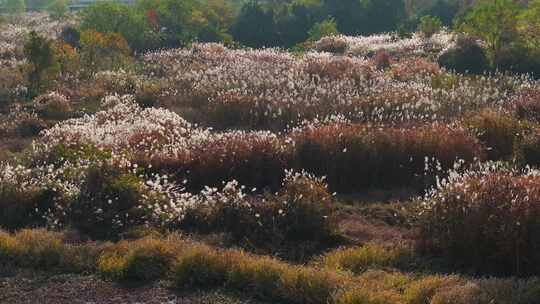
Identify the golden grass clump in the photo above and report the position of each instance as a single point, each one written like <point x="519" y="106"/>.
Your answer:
<point x="360" y="259"/>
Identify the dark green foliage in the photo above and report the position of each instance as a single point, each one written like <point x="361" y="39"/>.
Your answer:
<point x="322" y="29"/>
<point x="495" y="22"/>
<point x="40" y="54"/>
<point x="24" y="208"/>
<point x="365" y="17"/>
<point x="30" y="126"/>
<point x="519" y="59"/>
<point x="429" y="26"/>
<point x="255" y="26"/>
<point x="445" y="10"/>
<point x="110" y="202"/>
<point x="467" y="57"/>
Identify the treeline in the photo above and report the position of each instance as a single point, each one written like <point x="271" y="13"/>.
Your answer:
<point x="510" y="38"/>
<point x="509" y="31"/>
<point x="151" y="24"/>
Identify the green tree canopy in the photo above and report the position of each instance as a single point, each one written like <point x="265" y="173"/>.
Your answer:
<point x="40" y="53"/>
<point x="113" y="17"/>
<point x="495" y="22"/>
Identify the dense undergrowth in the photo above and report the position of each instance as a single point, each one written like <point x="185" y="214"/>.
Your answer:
<point x="255" y="154"/>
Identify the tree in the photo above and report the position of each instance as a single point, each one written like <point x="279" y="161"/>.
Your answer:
<point x="40" y="53"/>
<point x="255" y="26"/>
<point x="445" y="10"/>
<point x="349" y="15"/>
<point x="325" y="28"/>
<point x="219" y="17"/>
<point x="495" y="22"/>
<point x="113" y="17"/>
<point x="103" y="51"/>
<point x="529" y="24"/>
<point x="383" y="15"/>
<point x="67" y="57"/>
<point x="429" y="26"/>
<point x="365" y="17"/>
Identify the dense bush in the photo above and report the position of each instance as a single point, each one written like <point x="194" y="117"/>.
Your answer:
<point x="29" y="126"/>
<point x="322" y="29"/>
<point x="103" y="51"/>
<point x="71" y="36"/>
<point x="11" y="79"/>
<point x="486" y="221"/>
<point x="297" y="222"/>
<point x="20" y="208"/>
<point x="518" y="59"/>
<point x="466" y="57"/>
<point x="110" y="202"/>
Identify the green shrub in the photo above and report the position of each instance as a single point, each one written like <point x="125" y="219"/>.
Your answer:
<point x="43" y="63"/>
<point x="466" y="57"/>
<point x="322" y="29"/>
<point x="518" y="59"/>
<point x="25" y="207"/>
<point x="110" y="202"/>
<point x="61" y="153"/>
<point x="71" y="36"/>
<point x="308" y="285"/>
